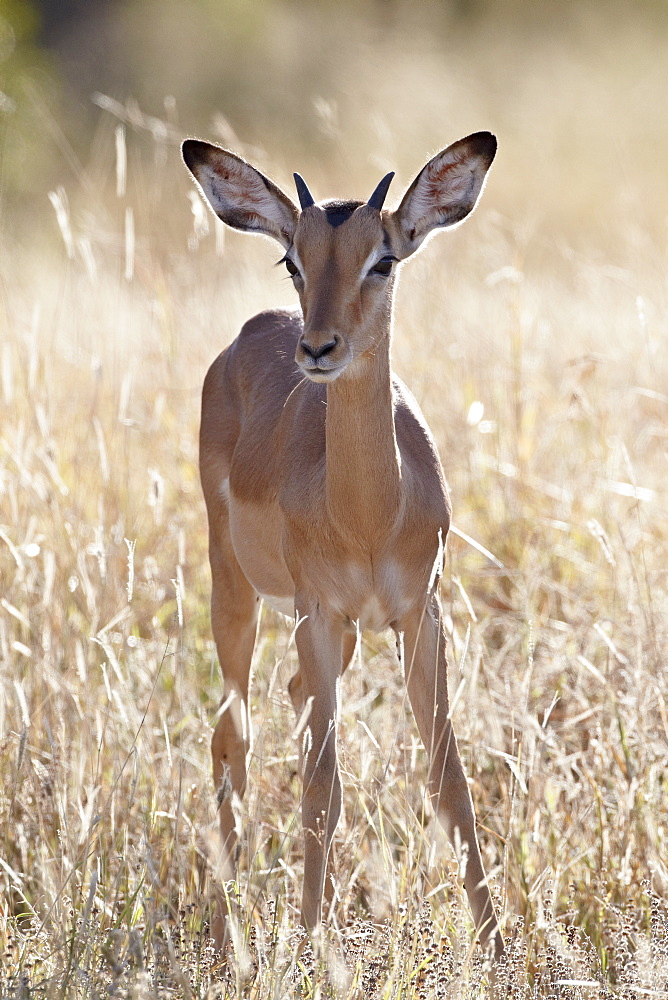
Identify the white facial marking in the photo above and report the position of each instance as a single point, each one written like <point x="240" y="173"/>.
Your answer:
<point x="321" y="375"/>
<point x="370" y="262"/>
<point x="294" y="257"/>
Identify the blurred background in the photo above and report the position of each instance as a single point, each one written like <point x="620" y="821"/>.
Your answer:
<point x="575" y="89"/>
<point x="534" y="338"/>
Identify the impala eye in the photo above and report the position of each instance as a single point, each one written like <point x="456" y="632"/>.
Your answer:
<point x="384" y="266"/>
<point x="293" y="270"/>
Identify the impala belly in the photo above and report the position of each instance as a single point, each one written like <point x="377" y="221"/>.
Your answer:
<point x="284" y="605"/>
<point x="256" y="536"/>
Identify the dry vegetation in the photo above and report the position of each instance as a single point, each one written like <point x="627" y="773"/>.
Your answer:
<point x="534" y="338"/>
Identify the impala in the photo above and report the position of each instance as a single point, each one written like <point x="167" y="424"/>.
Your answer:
<point x="324" y="490"/>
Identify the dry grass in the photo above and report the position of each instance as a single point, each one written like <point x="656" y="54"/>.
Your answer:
<point x="534" y="338"/>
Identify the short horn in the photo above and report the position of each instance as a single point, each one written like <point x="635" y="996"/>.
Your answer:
<point x="305" y="197"/>
<point x="378" y="197"/>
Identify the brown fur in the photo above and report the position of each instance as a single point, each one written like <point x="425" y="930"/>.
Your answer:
<point x="325" y="492"/>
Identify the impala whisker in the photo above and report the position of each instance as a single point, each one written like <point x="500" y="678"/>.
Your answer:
<point x="292" y="391"/>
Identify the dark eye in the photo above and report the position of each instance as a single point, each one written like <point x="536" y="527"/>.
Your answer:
<point x="292" y="268"/>
<point x="384" y="266"/>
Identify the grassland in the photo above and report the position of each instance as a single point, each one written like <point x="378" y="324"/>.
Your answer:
<point x="535" y="340"/>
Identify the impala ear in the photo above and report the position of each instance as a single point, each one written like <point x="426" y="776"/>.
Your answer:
<point x="446" y="190"/>
<point x="239" y="194"/>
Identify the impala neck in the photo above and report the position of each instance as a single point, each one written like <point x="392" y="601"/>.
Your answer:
<point x="363" y="466"/>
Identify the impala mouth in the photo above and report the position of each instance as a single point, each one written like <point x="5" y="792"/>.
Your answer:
<point x="320" y="373"/>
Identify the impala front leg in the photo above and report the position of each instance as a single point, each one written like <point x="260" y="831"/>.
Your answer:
<point x="319" y="645"/>
<point x="426" y="679"/>
<point x="234" y="610"/>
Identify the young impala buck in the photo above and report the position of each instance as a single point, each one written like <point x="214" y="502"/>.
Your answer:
<point x="324" y="490"/>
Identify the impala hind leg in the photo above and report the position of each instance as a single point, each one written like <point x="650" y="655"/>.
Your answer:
<point x="426" y="679"/>
<point x="234" y="614"/>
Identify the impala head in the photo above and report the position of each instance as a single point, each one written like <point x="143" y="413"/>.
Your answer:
<point x="342" y="255"/>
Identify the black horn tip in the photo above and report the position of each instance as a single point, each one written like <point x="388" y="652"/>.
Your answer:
<point x="306" y="199"/>
<point x="378" y="197"/>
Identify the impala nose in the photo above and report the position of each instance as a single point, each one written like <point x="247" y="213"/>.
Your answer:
<point x="321" y="351"/>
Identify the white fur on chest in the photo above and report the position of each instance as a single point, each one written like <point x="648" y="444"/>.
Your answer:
<point x="372" y="598"/>
<point x="373" y="615"/>
<point x="284" y="605"/>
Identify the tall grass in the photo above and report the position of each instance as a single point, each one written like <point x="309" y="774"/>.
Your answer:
<point x="534" y="339"/>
